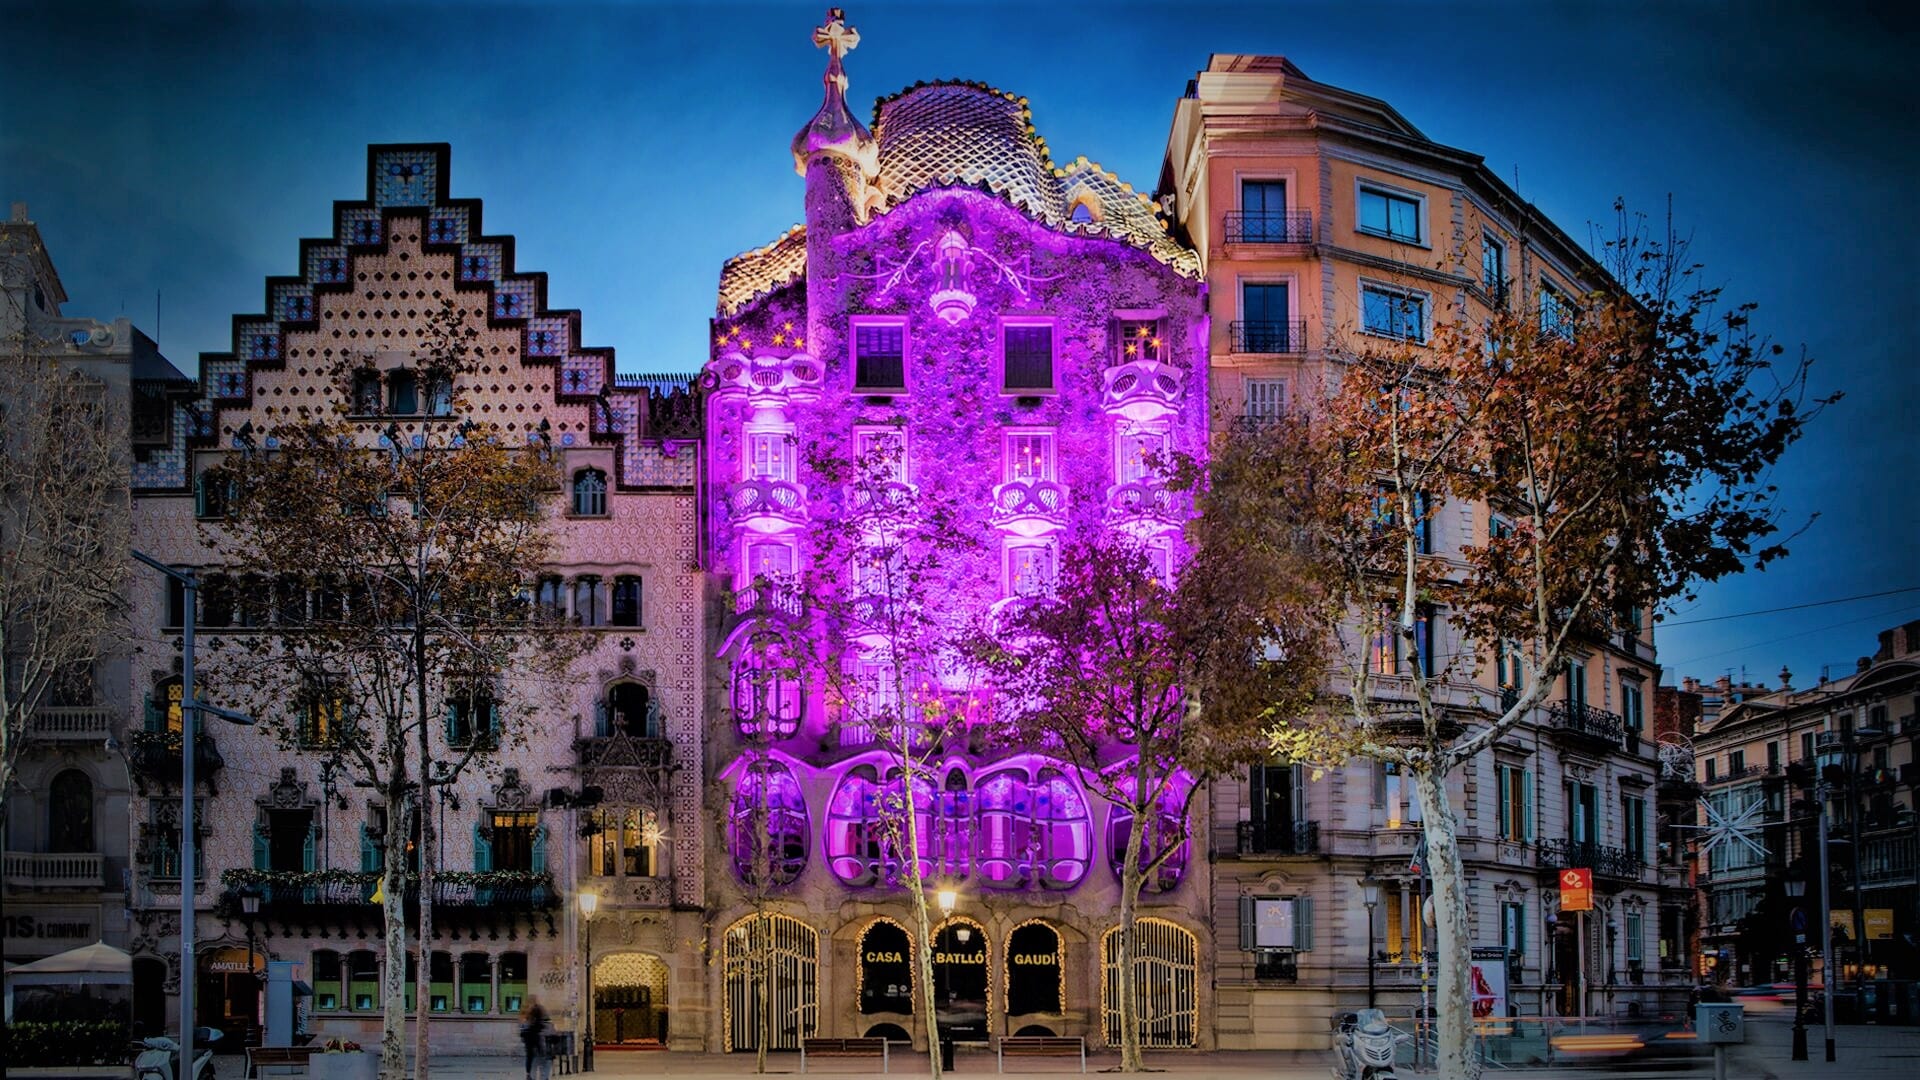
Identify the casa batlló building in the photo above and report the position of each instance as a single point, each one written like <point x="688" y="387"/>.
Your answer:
<point x="1019" y="338"/>
<point x="1017" y="341"/>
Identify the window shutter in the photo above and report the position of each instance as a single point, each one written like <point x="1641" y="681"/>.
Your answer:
<point x="1248" y="917"/>
<point x="1520" y="928"/>
<point x="156" y="716"/>
<point x="1256" y="791"/>
<point x="1526" y="803"/>
<point x="307" y="846"/>
<point x="452" y="717"/>
<point x="1506" y="801"/>
<point x="262" y="848"/>
<point x="493" y="719"/>
<point x="600" y="718"/>
<point x="369" y="855"/>
<point x="1303" y="924"/>
<point x="482" y="850"/>
<point x="540" y="849"/>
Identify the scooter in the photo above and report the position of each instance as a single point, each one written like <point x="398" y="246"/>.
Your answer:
<point x="157" y="1061"/>
<point x="1363" y="1045"/>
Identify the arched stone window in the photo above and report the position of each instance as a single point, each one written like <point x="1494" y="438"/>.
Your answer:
<point x="1168" y="825"/>
<point x="768" y="788"/>
<point x="1033" y="830"/>
<point x="631" y="710"/>
<point x="767" y="695"/>
<point x="856" y="834"/>
<point x="589" y="493"/>
<point x="1165" y="983"/>
<point x="886" y="974"/>
<point x="70" y="812"/>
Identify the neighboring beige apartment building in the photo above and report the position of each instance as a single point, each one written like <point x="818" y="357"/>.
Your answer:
<point x="1319" y="214"/>
<point x="1765" y="752"/>
<point x="66" y="842"/>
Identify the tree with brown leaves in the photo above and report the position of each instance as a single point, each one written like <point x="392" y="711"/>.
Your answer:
<point x="1619" y="450"/>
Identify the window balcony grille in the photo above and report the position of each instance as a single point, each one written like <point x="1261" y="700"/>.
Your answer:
<point x="1269" y="227"/>
<point x="1275" y="338"/>
<point x="1584" y="722"/>
<point x="1279" y="838"/>
<point x="1604" y="861"/>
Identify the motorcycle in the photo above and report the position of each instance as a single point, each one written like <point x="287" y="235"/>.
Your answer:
<point x="158" y="1060"/>
<point x="1363" y="1045"/>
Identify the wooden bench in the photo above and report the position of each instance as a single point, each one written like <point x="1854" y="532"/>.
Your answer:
<point x="846" y="1048"/>
<point x="278" y="1057"/>
<point x="1040" y="1046"/>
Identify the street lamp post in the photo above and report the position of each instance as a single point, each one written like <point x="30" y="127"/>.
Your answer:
<point x="249" y="907"/>
<point x="190" y="707"/>
<point x="946" y="898"/>
<point x="1796" y="891"/>
<point x="1370" y="896"/>
<point x="589" y="903"/>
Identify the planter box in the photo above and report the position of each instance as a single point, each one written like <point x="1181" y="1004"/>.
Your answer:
<point x="364" y="1065"/>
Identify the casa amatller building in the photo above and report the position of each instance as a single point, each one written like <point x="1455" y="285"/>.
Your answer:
<point x="1022" y="336"/>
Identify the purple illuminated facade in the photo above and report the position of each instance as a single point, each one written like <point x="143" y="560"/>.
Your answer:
<point x="1026" y="338"/>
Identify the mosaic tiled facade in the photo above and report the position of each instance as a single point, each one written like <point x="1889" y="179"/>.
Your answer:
<point x="630" y="723"/>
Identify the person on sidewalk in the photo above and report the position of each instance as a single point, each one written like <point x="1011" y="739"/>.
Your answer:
<point x="533" y="1033"/>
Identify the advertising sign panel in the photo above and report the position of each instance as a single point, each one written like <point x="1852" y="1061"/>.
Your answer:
<point x="1576" y="890"/>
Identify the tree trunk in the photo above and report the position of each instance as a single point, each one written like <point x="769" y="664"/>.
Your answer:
<point x="1455" y="1058"/>
<point x="1132" y="878"/>
<point x="393" y="911"/>
<point x="923" y="958"/>
<point x="423" y="972"/>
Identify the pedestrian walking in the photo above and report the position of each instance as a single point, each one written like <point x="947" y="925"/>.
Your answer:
<point x="533" y="1033"/>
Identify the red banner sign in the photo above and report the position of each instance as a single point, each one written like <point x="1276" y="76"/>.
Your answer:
<point x="1576" y="890"/>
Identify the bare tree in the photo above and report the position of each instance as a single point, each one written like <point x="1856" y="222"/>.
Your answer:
<point x="63" y="521"/>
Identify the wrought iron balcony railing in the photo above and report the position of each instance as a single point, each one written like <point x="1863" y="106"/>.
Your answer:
<point x="155" y="756"/>
<point x="1604" y="861"/>
<point x="1585" y="721"/>
<point x="1279" y="837"/>
<point x="1269" y="227"/>
<point x="505" y="890"/>
<point x="1269" y="337"/>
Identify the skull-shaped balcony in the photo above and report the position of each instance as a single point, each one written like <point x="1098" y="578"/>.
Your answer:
<point x="1030" y="507"/>
<point x="1143" y="507"/>
<point x="766" y="505"/>
<point x="1143" y="390"/>
<point x="794" y="377"/>
<point x="880" y="498"/>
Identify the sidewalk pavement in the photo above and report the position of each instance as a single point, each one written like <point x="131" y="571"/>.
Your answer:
<point x="1863" y="1053"/>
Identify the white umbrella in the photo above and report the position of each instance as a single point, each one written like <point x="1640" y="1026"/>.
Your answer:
<point x="98" y="964"/>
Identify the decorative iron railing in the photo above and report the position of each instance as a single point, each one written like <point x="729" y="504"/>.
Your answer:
<point x="1574" y="718"/>
<point x="1279" y="837"/>
<point x="1604" y="861"/>
<point x="1269" y="337"/>
<point x="1269" y="227"/>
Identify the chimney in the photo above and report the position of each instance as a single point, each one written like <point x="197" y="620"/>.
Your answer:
<point x="1724" y="684"/>
<point x="1690" y="684"/>
<point x="1786" y="678"/>
<point x="1862" y="664"/>
<point x="20" y="213"/>
<point x="1887" y="645"/>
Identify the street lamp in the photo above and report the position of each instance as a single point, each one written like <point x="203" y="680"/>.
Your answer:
<point x="589" y="903"/>
<point x="249" y="907"/>
<point x="190" y="708"/>
<point x="1796" y="884"/>
<point x="1370" y="896"/>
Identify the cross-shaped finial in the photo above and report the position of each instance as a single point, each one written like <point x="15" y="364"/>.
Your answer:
<point x="836" y="36"/>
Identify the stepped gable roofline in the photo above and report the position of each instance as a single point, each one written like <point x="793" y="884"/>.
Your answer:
<point x="411" y="180"/>
<point x="751" y="275"/>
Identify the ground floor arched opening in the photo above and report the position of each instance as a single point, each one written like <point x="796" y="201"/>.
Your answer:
<point x="771" y="988"/>
<point x="630" y="1000"/>
<point x="1166" y="983"/>
<point x="227" y="995"/>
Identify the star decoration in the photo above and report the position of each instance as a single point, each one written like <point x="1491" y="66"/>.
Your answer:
<point x="779" y="338"/>
<point x="1132" y="349"/>
<point x="799" y="343"/>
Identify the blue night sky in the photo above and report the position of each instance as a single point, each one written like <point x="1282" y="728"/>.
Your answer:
<point x="632" y="147"/>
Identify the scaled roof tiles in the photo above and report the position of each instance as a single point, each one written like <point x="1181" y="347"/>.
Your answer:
<point x="942" y="134"/>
